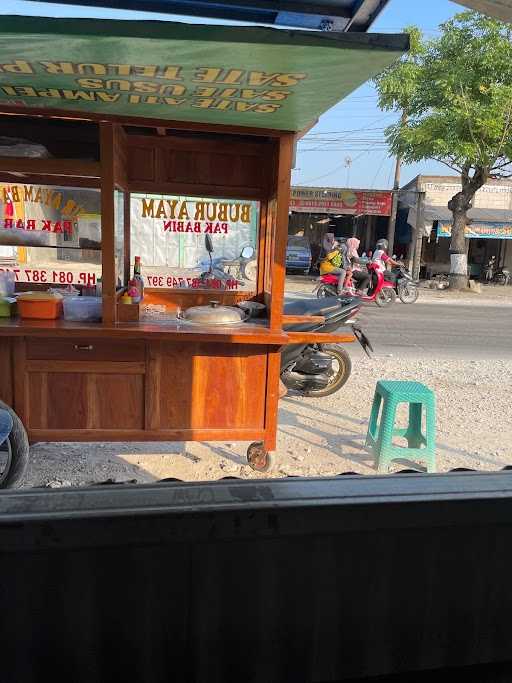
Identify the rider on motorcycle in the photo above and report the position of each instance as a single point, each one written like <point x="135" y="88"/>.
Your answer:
<point x="381" y="257"/>
<point x="336" y="262"/>
<point x="359" y="276"/>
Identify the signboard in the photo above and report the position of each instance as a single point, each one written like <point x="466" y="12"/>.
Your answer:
<point x="43" y="215"/>
<point x="344" y="201"/>
<point x="496" y="231"/>
<point x="169" y="234"/>
<point x="49" y="234"/>
<point x="245" y="76"/>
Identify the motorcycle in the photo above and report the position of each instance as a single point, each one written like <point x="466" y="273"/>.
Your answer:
<point x="405" y="286"/>
<point x="501" y="277"/>
<point x="318" y="370"/>
<point x="381" y="290"/>
<point x="242" y="268"/>
<point x="223" y="273"/>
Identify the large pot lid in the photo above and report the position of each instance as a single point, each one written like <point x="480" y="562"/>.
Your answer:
<point x="213" y="314"/>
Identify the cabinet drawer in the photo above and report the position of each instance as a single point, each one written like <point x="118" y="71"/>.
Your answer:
<point x="47" y="348"/>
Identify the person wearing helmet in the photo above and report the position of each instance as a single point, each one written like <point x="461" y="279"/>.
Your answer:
<point x="380" y="256"/>
<point x="336" y="262"/>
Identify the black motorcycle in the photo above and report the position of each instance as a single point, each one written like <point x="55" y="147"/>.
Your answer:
<point x="320" y="369"/>
<point x="405" y="286"/>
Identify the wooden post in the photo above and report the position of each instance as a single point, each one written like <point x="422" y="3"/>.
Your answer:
<point x="278" y="264"/>
<point x="108" y="222"/>
<point x="127" y="237"/>
<point x="277" y="282"/>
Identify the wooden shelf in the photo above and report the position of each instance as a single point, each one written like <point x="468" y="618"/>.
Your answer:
<point x="59" y="167"/>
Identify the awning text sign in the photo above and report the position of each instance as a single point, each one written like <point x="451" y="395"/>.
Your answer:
<point x="245" y="76"/>
<point x="343" y="201"/>
<point x="497" y="231"/>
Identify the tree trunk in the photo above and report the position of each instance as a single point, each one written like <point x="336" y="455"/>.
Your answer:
<point x="459" y="205"/>
<point x="458" y="257"/>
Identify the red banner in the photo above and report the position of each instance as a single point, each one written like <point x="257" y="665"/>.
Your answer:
<point x="351" y="202"/>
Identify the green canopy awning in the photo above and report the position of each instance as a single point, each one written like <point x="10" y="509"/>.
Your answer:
<point x="243" y="76"/>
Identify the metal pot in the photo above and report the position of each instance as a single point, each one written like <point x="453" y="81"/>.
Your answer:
<point x="213" y="314"/>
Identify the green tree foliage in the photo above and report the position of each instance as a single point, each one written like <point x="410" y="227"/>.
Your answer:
<point x="455" y="96"/>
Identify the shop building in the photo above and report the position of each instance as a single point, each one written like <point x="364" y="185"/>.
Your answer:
<point x="345" y="212"/>
<point x="489" y="228"/>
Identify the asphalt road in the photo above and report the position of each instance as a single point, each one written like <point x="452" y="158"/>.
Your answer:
<point x="440" y="330"/>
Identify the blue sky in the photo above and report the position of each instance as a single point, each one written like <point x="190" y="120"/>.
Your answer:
<point x="347" y="146"/>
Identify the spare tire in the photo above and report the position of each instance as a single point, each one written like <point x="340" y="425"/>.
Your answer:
<point x="16" y="451"/>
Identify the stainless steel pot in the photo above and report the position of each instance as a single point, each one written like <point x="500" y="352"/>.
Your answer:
<point x="213" y="314"/>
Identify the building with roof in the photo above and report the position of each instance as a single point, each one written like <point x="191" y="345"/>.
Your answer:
<point x="489" y="229"/>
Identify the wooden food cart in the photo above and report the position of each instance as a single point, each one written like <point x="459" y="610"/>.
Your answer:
<point x="156" y="134"/>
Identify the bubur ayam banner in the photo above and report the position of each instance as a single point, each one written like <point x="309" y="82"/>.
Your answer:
<point x="245" y="76"/>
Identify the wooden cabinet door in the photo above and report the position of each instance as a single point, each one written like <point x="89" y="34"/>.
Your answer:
<point x="203" y="386"/>
<point x="69" y="401"/>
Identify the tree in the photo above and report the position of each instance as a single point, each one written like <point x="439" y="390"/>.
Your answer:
<point x="455" y="96"/>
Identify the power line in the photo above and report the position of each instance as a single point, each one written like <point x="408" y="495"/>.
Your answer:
<point x="334" y="170"/>
<point x="378" y="171"/>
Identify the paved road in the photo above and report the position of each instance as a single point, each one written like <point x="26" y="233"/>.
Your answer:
<point x="440" y="330"/>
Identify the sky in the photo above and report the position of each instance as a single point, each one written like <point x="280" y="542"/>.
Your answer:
<point x="347" y="147"/>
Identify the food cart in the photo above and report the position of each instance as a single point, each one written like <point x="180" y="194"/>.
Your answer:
<point x="162" y="141"/>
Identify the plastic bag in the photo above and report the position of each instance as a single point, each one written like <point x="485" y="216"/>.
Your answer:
<point x="7" y="283"/>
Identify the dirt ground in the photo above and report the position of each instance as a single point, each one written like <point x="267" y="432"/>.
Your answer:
<point x="317" y="437"/>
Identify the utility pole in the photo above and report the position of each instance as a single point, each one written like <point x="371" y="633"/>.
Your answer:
<point x="348" y="164"/>
<point x="394" y="199"/>
<point x="394" y="206"/>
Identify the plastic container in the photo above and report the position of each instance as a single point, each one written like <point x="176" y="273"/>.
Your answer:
<point x="7" y="307"/>
<point x="39" y="306"/>
<point x="82" y="308"/>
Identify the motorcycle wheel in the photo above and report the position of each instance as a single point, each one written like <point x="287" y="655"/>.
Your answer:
<point x="385" y="297"/>
<point x="340" y="375"/>
<point x="14" y="453"/>
<point x="408" y="293"/>
<point x="326" y="290"/>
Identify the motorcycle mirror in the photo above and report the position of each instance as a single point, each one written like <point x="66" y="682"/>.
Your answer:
<point x="208" y="243"/>
<point x="247" y="252"/>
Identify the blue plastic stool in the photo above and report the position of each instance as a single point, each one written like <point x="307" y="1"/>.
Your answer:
<point x="5" y="425"/>
<point x="379" y="439"/>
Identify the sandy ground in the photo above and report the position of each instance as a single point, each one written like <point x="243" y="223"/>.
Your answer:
<point x="321" y="436"/>
<point x="316" y="436"/>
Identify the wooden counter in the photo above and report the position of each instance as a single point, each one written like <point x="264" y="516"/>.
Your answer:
<point x="169" y="330"/>
<point x="140" y="382"/>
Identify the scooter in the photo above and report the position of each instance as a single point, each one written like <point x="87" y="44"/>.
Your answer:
<point x="224" y="271"/>
<point x="381" y="291"/>
<point x="501" y="277"/>
<point x="318" y="370"/>
<point x="405" y="286"/>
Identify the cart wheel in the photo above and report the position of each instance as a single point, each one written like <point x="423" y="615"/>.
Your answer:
<point x="257" y="457"/>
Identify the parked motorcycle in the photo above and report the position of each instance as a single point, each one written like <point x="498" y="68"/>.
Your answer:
<point x="224" y="271"/>
<point x="381" y="290"/>
<point x="243" y="268"/>
<point x="320" y="369"/>
<point x="405" y="286"/>
<point x="501" y="277"/>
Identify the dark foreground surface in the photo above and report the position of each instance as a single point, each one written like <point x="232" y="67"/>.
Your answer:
<point x="275" y="581"/>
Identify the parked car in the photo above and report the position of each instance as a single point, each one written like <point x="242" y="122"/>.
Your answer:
<point x="298" y="254"/>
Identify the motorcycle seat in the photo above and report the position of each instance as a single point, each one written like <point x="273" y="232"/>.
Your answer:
<point x="326" y="307"/>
